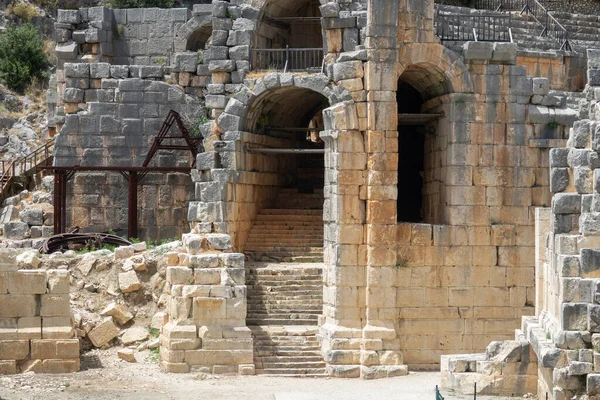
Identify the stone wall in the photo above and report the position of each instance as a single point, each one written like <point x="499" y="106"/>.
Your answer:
<point x="564" y="72"/>
<point x="35" y="320"/>
<point x="207" y="308"/>
<point x="113" y="114"/>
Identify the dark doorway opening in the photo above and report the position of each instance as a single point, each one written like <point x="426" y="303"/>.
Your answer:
<point x="411" y="155"/>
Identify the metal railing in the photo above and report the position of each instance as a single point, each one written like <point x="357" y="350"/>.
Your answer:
<point x="467" y="27"/>
<point x="550" y="25"/>
<point x="287" y="59"/>
<point x="41" y="156"/>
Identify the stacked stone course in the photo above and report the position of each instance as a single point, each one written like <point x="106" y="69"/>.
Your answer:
<point x="207" y="309"/>
<point x="35" y="324"/>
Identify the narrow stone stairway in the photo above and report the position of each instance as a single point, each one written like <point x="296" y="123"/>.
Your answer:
<point x="292" y="231"/>
<point x="284" y="304"/>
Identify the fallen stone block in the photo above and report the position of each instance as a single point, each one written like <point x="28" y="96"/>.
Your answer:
<point x="118" y="312"/>
<point x="103" y="333"/>
<point x="135" y="334"/>
<point x="129" y="282"/>
<point x="126" y="355"/>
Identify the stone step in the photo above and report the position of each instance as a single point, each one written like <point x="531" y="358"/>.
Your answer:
<point x="289" y="359"/>
<point x="273" y="321"/>
<point x="293" y="365"/>
<point x="282" y="315"/>
<point x="308" y="372"/>
<point x="291" y="217"/>
<point x="290" y="211"/>
<point x="276" y="351"/>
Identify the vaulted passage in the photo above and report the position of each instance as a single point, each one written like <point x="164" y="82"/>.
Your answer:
<point x="289" y="225"/>
<point x="285" y="242"/>
<point x="411" y="153"/>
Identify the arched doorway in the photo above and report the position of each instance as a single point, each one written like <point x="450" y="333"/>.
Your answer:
<point x="289" y="154"/>
<point x="289" y="36"/>
<point x="419" y="122"/>
<point x="283" y="156"/>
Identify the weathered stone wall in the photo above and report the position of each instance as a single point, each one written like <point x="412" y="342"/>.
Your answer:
<point x="564" y="72"/>
<point x="207" y="308"/>
<point x="35" y="320"/>
<point x="113" y="115"/>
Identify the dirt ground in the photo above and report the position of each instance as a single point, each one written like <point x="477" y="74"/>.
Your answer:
<point x="105" y="377"/>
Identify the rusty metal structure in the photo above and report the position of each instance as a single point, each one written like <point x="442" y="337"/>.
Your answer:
<point x="64" y="241"/>
<point x="134" y="175"/>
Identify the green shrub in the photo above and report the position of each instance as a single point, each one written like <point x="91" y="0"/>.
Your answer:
<point x="140" y="3"/>
<point x="25" y="12"/>
<point x="22" y="56"/>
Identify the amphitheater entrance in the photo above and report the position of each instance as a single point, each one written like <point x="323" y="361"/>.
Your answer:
<point x="285" y="156"/>
<point x="418" y="126"/>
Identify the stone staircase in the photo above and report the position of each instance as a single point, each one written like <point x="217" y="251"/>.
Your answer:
<point x="287" y="350"/>
<point x="285" y="301"/>
<point x="284" y="294"/>
<point x="584" y="30"/>
<point x="292" y="231"/>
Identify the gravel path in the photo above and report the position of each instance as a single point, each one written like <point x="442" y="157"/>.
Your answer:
<point x="107" y="378"/>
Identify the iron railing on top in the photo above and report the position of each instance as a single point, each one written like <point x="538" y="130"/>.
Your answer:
<point x="550" y="25"/>
<point x="39" y="157"/>
<point x="472" y="27"/>
<point x="288" y="59"/>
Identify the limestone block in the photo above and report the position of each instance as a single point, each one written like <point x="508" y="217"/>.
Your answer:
<point x="179" y="308"/>
<point x="159" y="320"/>
<point x="559" y="179"/>
<point x="135" y="334"/>
<point x="566" y="203"/>
<point x="129" y="282"/>
<point x="16" y="230"/>
<point x="580" y="368"/>
<point x="126" y="355"/>
<point x="29" y="328"/>
<point x="541" y="86"/>
<point x="505" y="53"/>
<point x="103" y="333"/>
<point x="207" y="276"/>
<point x="348" y="70"/>
<point x="55" y="305"/>
<point x="478" y="50"/>
<point x="574" y="316"/>
<point x="180" y="275"/>
<point x="58" y="281"/>
<point x="66" y="51"/>
<point x="181" y="368"/>
<point x="34" y="366"/>
<point x="172" y="331"/>
<point x="8" y="367"/>
<point x="209" y="308"/>
<point x="119" y="313"/>
<point x="218" y="357"/>
<point x="195" y="291"/>
<point x="60" y="366"/>
<point x="123" y="252"/>
<point x="17" y="306"/>
<point x="14" y="349"/>
<point x="136" y="263"/>
<point x="43" y="349"/>
<point x="56" y="328"/>
<point x="66" y="349"/>
<point x="204" y="261"/>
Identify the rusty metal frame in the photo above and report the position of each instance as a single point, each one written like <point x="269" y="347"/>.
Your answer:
<point x="133" y="175"/>
<point x="63" y="174"/>
<point x="193" y="144"/>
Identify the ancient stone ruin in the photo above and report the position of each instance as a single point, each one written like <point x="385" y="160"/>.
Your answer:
<point x="382" y="186"/>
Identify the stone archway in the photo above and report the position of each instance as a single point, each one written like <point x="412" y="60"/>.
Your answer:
<point x="198" y="27"/>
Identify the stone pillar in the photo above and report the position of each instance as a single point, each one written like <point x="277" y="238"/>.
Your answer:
<point x="207" y="309"/>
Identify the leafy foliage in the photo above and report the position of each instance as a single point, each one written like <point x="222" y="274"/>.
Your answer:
<point x="24" y="11"/>
<point x="140" y="3"/>
<point x="22" y="56"/>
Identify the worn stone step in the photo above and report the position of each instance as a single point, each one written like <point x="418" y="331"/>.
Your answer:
<point x="294" y="365"/>
<point x="273" y="321"/>
<point x="292" y="371"/>
<point x="290" y="211"/>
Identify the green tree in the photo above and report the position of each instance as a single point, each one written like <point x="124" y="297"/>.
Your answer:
<point x="22" y="56"/>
